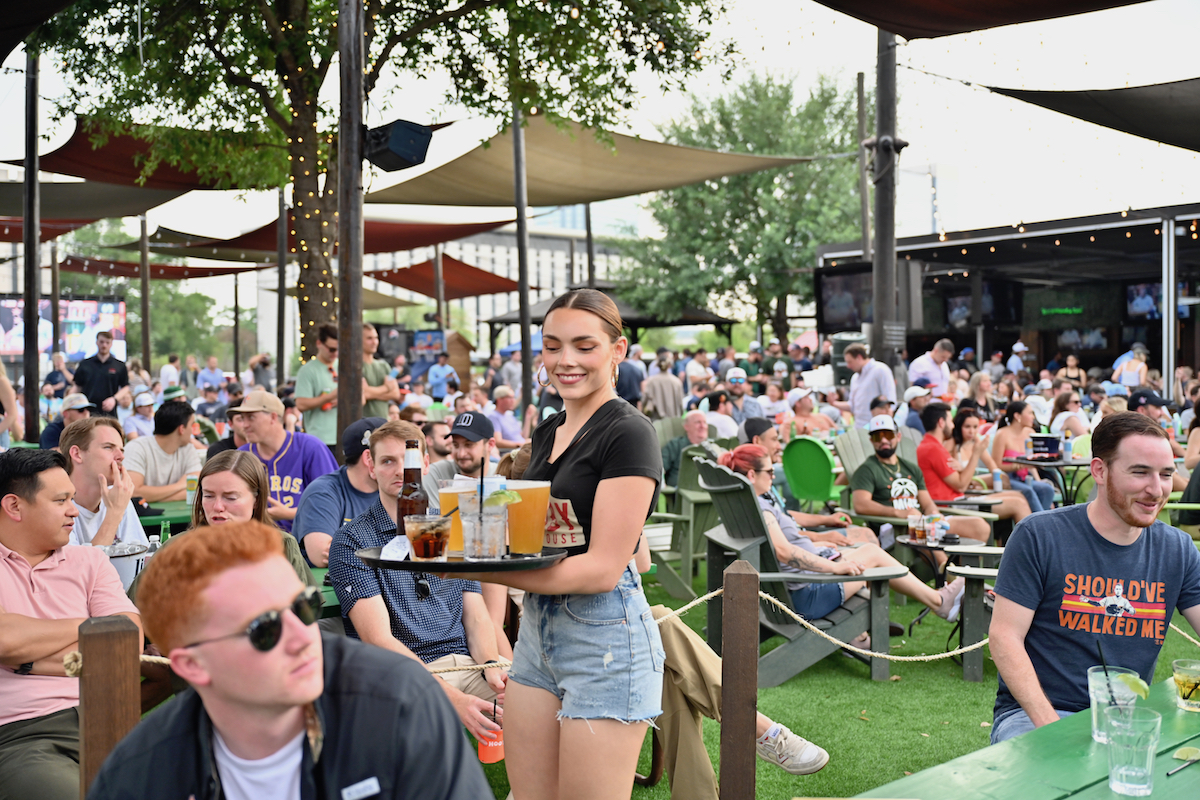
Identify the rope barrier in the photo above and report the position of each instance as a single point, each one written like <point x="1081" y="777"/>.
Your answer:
<point x="73" y="661"/>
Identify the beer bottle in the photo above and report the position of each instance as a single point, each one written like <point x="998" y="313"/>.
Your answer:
<point x="413" y="499"/>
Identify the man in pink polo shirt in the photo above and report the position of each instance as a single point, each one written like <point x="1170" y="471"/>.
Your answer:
<point x="46" y="590"/>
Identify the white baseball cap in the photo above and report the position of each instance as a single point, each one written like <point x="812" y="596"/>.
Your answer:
<point x="883" y="422"/>
<point x="796" y="395"/>
<point x="913" y="392"/>
<point x="1020" y="347"/>
<point x="143" y="399"/>
<point x="735" y="372"/>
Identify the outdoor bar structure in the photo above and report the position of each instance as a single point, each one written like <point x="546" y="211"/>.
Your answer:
<point x="1089" y="284"/>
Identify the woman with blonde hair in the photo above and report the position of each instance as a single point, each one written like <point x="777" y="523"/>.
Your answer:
<point x="979" y="393"/>
<point x="1133" y="372"/>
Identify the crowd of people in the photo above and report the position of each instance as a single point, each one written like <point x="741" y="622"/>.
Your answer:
<point x="284" y="705"/>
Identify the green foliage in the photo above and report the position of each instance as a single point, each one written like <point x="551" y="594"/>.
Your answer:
<point x="743" y="334"/>
<point x="752" y="238"/>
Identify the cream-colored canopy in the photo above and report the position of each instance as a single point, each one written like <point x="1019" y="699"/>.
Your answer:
<point x="570" y="166"/>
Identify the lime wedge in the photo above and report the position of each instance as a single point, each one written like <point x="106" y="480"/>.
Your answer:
<point x="502" y="497"/>
<point x="1187" y="754"/>
<point x="1135" y="683"/>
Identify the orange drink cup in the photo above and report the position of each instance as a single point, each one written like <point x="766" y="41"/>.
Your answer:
<point x="448" y="492"/>
<point x="527" y="519"/>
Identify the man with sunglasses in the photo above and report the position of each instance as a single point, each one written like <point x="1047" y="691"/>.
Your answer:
<point x="889" y="486"/>
<point x="744" y="406"/>
<point x="316" y="388"/>
<point x="436" y="622"/>
<point x="276" y="709"/>
<point x="46" y="590"/>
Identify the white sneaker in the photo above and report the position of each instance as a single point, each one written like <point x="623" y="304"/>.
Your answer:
<point x="792" y="753"/>
<point x="952" y="596"/>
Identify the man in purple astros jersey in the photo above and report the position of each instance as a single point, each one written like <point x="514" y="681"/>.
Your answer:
<point x="292" y="460"/>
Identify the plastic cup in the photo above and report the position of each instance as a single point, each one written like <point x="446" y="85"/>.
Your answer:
<point x="449" y="494"/>
<point x="483" y="537"/>
<point x="527" y="519"/>
<point x="1132" y="742"/>
<point x="192" y="483"/>
<point x="1187" y="684"/>
<point x="1098" y="691"/>
<point x="428" y="535"/>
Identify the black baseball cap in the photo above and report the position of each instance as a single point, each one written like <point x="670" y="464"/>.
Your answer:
<point x="473" y="426"/>
<point x="1144" y="397"/>
<point x="357" y="437"/>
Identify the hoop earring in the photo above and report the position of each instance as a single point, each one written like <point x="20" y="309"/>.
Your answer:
<point x="539" y="380"/>
<point x="616" y="372"/>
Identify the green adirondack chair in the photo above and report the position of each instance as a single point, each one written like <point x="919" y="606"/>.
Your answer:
<point x="743" y="535"/>
<point x="695" y="514"/>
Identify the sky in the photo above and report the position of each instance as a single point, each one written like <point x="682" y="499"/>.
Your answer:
<point x="998" y="161"/>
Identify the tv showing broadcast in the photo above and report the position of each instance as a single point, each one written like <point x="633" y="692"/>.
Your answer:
<point x="846" y="300"/>
<point x="82" y="319"/>
<point x="1143" y="301"/>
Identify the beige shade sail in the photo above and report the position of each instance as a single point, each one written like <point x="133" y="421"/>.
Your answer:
<point x="372" y="300"/>
<point x="570" y="166"/>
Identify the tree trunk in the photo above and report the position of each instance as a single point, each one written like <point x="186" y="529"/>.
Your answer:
<point x="314" y="225"/>
<point x="779" y="320"/>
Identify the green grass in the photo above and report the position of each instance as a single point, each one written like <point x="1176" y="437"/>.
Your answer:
<point x="927" y="717"/>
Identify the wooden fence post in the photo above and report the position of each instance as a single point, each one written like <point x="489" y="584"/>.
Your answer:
<point x="739" y="681"/>
<point x="109" y="692"/>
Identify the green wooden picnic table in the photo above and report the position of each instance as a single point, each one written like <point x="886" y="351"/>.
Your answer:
<point x="1056" y="761"/>
<point x="331" y="608"/>
<point x="177" y="514"/>
<point x="25" y="445"/>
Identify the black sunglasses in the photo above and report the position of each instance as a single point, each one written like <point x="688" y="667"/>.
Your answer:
<point x="265" y="630"/>
<point x="422" y="583"/>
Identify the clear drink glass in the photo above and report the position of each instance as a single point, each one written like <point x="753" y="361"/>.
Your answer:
<point x="483" y="537"/>
<point x="449" y="493"/>
<point x="527" y="519"/>
<point x="1187" y="684"/>
<point x="428" y="535"/>
<point x="1132" y="742"/>
<point x="1098" y="691"/>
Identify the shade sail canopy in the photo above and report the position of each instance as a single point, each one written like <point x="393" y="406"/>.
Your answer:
<point x="568" y="167"/>
<point x="632" y="318"/>
<point x="461" y="279"/>
<point x="258" y="246"/>
<point x="927" y="19"/>
<point x="131" y="269"/>
<point x="84" y="201"/>
<point x="1164" y="112"/>
<point x="12" y="229"/>
<point x="20" y="17"/>
<point x="372" y="300"/>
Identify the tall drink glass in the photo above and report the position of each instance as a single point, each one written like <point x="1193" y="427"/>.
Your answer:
<point x="1132" y="742"/>
<point x="1098" y="691"/>
<point x="527" y="519"/>
<point x="449" y="501"/>
<point x="1187" y="683"/>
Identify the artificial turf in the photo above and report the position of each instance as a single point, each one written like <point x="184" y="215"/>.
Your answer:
<point x="875" y="732"/>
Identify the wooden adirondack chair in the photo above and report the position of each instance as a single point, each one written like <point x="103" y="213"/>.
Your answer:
<point x="695" y="515"/>
<point x="743" y="535"/>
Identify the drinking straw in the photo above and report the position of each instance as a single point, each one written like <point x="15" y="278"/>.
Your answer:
<point x="1112" y="698"/>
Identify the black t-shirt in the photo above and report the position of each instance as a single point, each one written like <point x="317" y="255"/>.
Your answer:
<point x="617" y="441"/>
<point x="100" y="380"/>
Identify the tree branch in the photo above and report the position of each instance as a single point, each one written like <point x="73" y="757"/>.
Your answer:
<point x="275" y="29"/>
<point x="469" y="7"/>
<point x="236" y="79"/>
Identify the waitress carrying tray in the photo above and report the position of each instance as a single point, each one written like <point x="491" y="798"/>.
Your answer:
<point x="549" y="556"/>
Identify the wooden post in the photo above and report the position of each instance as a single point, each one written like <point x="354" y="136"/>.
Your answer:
<point x="739" y="681"/>
<point x="109" y="693"/>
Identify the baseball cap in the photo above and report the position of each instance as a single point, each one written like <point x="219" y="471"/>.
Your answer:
<point x="260" y="401"/>
<point x="796" y="395"/>
<point x="143" y="399"/>
<point x="755" y="347"/>
<point x="881" y="402"/>
<point x="773" y="340"/>
<point x="173" y="393"/>
<point x="923" y="382"/>
<point x="357" y="436"/>
<point x="1144" y="397"/>
<point x="881" y="423"/>
<point x="473" y="426"/>
<point x="753" y="426"/>
<point x="736" y="372"/>
<point x="1020" y="347"/>
<point x="208" y="387"/>
<point x="1044" y="384"/>
<point x="913" y="392"/>
<point x="966" y="351"/>
<point x="77" y="402"/>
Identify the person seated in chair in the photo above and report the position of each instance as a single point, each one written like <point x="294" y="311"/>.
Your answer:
<point x="695" y="432"/>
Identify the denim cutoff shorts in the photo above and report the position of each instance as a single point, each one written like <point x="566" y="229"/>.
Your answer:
<point x="599" y="654"/>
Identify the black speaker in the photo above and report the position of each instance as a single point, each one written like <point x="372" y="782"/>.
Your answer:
<point x="397" y="145"/>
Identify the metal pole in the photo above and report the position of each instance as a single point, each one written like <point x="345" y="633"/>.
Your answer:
<point x="571" y="267"/>
<point x="864" y="194"/>
<point x="1170" y="319"/>
<point x="884" y="262"/>
<point x="144" y="272"/>
<point x="281" y="257"/>
<point x="591" y="245"/>
<point x="439" y="287"/>
<point x="521" y="196"/>
<point x="237" y="330"/>
<point x="350" y="220"/>
<point x="32" y="231"/>
<point x="55" y="295"/>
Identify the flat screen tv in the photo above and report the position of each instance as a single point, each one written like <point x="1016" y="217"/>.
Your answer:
<point x="1143" y="301"/>
<point x="82" y="319"/>
<point x="844" y="298"/>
